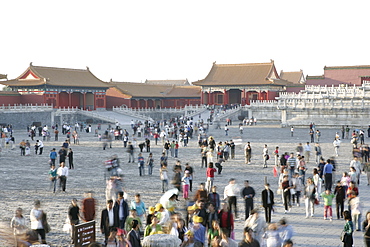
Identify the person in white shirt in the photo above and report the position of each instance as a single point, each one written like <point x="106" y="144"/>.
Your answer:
<point x="62" y="174"/>
<point x="36" y="221"/>
<point x="307" y="152"/>
<point x="357" y="165"/>
<point x="336" y="144"/>
<point x="231" y="192"/>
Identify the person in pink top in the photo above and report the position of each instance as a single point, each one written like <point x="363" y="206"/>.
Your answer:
<point x="210" y="176"/>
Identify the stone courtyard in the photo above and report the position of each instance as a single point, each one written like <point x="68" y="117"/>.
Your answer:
<point x="25" y="178"/>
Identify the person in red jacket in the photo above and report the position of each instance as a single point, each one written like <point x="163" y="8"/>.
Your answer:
<point x="210" y="176"/>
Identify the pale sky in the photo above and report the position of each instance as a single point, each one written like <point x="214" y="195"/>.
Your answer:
<point x="138" y="40"/>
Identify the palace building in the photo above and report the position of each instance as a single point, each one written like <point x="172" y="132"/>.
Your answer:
<point x="342" y="75"/>
<point x="229" y="84"/>
<point x="59" y="87"/>
<point x="153" y="94"/>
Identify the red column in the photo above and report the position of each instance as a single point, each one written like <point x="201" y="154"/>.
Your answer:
<point x="226" y="97"/>
<point x="84" y="102"/>
<point x="70" y="99"/>
<point x="95" y="98"/>
<point x="210" y="98"/>
<point x="57" y="101"/>
<point x="201" y="97"/>
<point x="146" y="103"/>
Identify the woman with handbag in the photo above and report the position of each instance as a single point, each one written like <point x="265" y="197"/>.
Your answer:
<point x="310" y="197"/>
<point x="346" y="236"/>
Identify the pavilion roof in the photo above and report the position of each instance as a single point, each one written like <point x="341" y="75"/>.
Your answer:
<point x="247" y="74"/>
<point x="169" y="82"/>
<point x="144" y="90"/>
<point x="65" y="77"/>
<point x="296" y="77"/>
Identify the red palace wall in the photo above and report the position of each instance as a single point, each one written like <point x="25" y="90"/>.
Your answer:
<point x="75" y="99"/>
<point x="32" y="99"/>
<point x="352" y="76"/>
<point x="10" y="99"/>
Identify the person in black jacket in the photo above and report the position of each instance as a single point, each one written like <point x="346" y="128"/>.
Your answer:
<point x="340" y="197"/>
<point x="120" y="211"/>
<point x="74" y="216"/>
<point x="134" y="235"/>
<point x="248" y="194"/>
<point x="108" y="220"/>
<point x="267" y="202"/>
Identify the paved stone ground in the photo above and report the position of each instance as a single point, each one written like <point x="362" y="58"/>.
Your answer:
<point x="24" y="179"/>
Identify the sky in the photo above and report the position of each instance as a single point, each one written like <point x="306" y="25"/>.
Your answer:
<point x="157" y="40"/>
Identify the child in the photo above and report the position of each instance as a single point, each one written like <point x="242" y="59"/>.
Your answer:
<point x="328" y="200"/>
<point x="185" y="184"/>
<point x="210" y="176"/>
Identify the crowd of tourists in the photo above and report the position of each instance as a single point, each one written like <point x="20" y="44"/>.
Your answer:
<point x="209" y="216"/>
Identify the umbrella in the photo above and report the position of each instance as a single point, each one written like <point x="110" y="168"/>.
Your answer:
<point x="166" y="196"/>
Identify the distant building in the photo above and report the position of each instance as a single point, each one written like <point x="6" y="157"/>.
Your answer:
<point x="229" y="84"/>
<point x="147" y="95"/>
<point x="297" y="79"/>
<point x="60" y="87"/>
<point x="341" y="75"/>
<point x="169" y="82"/>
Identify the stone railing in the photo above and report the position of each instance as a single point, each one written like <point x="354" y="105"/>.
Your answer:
<point x="188" y="110"/>
<point x="153" y="109"/>
<point x="26" y="107"/>
<point x="262" y="103"/>
<point x="96" y="115"/>
<point x="227" y="113"/>
<point x="68" y="109"/>
<point x="323" y="103"/>
<point x="318" y="92"/>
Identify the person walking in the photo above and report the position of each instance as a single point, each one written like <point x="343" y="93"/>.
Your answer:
<point x="53" y="177"/>
<point x="70" y="159"/>
<point x="141" y="162"/>
<point x="107" y="220"/>
<point x="18" y="224"/>
<point x="285" y="187"/>
<point x="328" y="201"/>
<point x="37" y="223"/>
<point x="164" y="177"/>
<point x="130" y="150"/>
<point x="73" y="216"/>
<point x="88" y="207"/>
<point x="150" y="164"/>
<point x="62" y="175"/>
<point x="307" y="152"/>
<point x="328" y="175"/>
<point x="248" y="195"/>
<point x="267" y="202"/>
<point x="366" y="229"/>
<point x="340" y="197"/>
<point x="309" y="196"/>
<point x="336" y="144"/>
<point x="265" y="156"/>
<point x="210" y="173"/>
<point x="248" y="153"/>
<point x="347" y="237"/>
<point x="53" y="156"/>
<point x="230" y="194"/>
